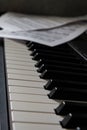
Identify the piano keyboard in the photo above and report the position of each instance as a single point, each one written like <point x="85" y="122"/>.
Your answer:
<point x="30" y="107"/>
<point x="35" y="108"/>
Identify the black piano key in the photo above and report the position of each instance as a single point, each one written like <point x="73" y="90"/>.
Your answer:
<point x="60" y="62"/>
<point x="31" y="47"/>
<point x="71" y="107"/>
<point x="39" y="63"/>
<point x="61" y="109"/>
<point x="63" y="75"/>
<point x="39" y="56"/>
<point x="61" y="67"/>
<point x="33" y="52"/>
<point x="67" y="122"/>
<point x="45" y="75"/>
<point x="68" y="94"/>
<point x="62" y="48"/>
<point x="54" y="93"/>
<point x="36" y="45"/>
<point x="36" y="57"/>
<point x="41" y="68"/>
<point x="50" y="84"/>
<point x="74" y="120"/>
<point x="52" y="52"/>
<point x="28" y="44"/>
<point x="64" y="83"/>
<point x="54" y="83"/>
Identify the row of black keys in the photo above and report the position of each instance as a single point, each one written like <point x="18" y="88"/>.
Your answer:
<point x="66" y="72"/>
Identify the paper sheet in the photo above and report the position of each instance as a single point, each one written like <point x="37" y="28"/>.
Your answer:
<point x="20" y="22"/>
<point x="50" y="37"/>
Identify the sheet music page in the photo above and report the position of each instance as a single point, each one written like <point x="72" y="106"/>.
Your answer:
<point x="51" y="37"/>
<point x="20" y="22"/>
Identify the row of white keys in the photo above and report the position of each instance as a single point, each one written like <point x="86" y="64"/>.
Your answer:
<point x="29" y="104"/>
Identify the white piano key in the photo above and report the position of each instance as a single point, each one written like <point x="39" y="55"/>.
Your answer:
<point x="33" y="107"/>
<point x="15" y="53"/>
<point x="33" y="126"/>
<point x="14" y="45"/>
<point x="19" y="63"/>
<point x="13" y="66"/>
<point x="16" y="48"/>
<point x="31" y="98"/>
<point x="26" y="77"/>
<point x="36" y="117"/>
<point x="27" y="90"/>
<point x="12" y="42"/>
<point x="23" y="72"/>
<point x="18" y="55"/>
<point x="26" y="83"/>
<point x="9" y="51"/>
<point x="21" y="59"/>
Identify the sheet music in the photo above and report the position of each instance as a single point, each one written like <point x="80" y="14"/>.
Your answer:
<point x="20" y="22"/>
<point x="51" y="37"/>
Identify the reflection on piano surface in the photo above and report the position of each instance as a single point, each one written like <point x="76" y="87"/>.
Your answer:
<point x="46" y="87"/>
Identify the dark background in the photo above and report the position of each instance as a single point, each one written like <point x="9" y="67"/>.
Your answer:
<point x="46" y="7"/>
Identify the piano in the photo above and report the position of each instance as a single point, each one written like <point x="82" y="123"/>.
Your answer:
<point x="41" y="87"/>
